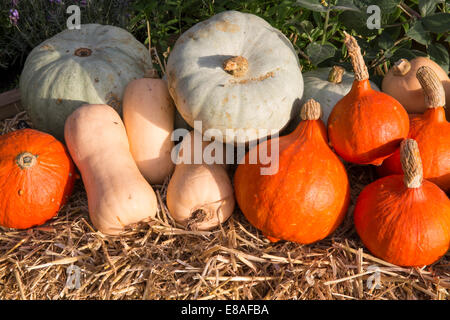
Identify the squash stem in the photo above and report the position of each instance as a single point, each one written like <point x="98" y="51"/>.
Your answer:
<point x="411" y="163"/>
<point x="432" y="87"/>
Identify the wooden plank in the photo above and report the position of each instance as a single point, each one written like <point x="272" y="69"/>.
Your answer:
<point x="10" y="104"/>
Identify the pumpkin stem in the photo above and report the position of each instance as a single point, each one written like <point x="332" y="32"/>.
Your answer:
<point x="354" y="51"/>
<point x="311" y="110"/>
<point x="432" y="87"/>
<point x="411" y="163"/>
<point x="236" y="66"/>
<point x="336" y="74"/>
<point x="401" y="67"/>
<point x="151" y="73"/>
<point x="26" y="160"/>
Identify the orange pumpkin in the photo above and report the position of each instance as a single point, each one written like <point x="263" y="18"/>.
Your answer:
<point x="431" y="131"/>
<point x="366" y="126"/>
<point x="404" y="219"/>
<point x="307" y="198"/>
<point x="36" y="178"/>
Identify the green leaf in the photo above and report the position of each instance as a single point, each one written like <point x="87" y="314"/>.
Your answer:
<point x="318" y="52"/>
<point x="358" y="20"/>
<point x="406" y="54"/>
<point x="306" y="26"/>
<point x="418" y="33"/>
<point x="438" y="22"/>
<point x="439" y="54"/>
<point x="427" y="7"/>
<point x="385" y="41"/>
<point x="345" y="5"/>
<point x="313" y="5"/>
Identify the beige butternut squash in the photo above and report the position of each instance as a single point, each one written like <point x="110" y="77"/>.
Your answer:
<point x="118" y="195"/>
<point x="199" y="196"/>
<point x="148" y="115"/>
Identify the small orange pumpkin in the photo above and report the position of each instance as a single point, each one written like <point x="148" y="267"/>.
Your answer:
<point x="36" y="178"/>
<point x="366" y="126"/>
<point x="431" y="131"/>
<point x="404" y="219"/>
<point x="307" y="198"/>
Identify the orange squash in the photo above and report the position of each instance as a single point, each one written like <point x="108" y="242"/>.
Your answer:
<point x="431" y="131"/>
<point x="307" y="198"/>
<point x="366" y="126"/>
<point x="36" y="178"/>
<point x="404" y="219"/>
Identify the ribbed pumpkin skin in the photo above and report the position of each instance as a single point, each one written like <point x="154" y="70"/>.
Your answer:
<point x="31" y="196"/>
<point x="432" y="133"/>
<point x="351" y="125"/>
<point x="264" y="98"/>
<point x="404" y="226"/>
<point x="57" y="79"/>
<point x="306" y="199"/>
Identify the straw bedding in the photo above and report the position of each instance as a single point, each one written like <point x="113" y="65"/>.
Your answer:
<point x="161" y="260"/>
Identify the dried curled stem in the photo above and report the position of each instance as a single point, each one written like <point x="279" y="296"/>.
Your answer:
<point x="354" y="51"/>
<point x="336" y="74"/>
<point x="411" y="163"/>
<point x="432" y="87"/>
<point x="311" y="110"/>
<point x="401" y="67"/>
<point x="236" y="66"/>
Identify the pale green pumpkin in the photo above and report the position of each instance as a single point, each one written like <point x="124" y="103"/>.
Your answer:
<point x="237" y="75"/>
<point x="91" y="65"/>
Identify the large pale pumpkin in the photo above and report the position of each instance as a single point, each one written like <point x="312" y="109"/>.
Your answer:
<point x="235" y="71"/>
<point x="90" y="65"/>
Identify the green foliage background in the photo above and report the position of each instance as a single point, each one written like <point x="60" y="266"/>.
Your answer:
<point x="408" y="28"/>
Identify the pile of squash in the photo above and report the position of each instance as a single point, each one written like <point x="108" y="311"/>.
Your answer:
<point x="241" y="80"/>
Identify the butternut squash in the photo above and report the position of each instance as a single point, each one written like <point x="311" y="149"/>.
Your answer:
<point x="199" y="196"/>
<point x="148" y="115"/>
<point x="118" y="195"/>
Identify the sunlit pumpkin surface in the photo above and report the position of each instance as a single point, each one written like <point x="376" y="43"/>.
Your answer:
<point x="306" y="199"/>
<point x="36" y="178"/>
<point x="404" y="226"/>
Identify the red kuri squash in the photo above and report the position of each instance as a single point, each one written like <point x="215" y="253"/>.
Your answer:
<point x="366" y="126"/>
<point x="36" y="178"/>
<point x="431" y="131"/>
<point x="404" y="219"/>
<point x="307" y="198"/>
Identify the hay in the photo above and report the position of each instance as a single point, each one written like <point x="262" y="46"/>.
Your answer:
<point x="161" y="260"/>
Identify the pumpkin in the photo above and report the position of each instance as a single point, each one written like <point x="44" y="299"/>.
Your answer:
<point x="36" y="178"/>
<point x="118" y="195"/>
<point x="307" y="198"/>
<point x="366" y="126"/>
<point x="199" y="196"/>
<point x="75" y="67"/>
<point x="148" y="115"/>
<point x="404" y="219"/>
<point x="401" y="83"/>
<point x="327" y="86"/>
<point x="431" y="131"/>
<point x="237" y="74"/>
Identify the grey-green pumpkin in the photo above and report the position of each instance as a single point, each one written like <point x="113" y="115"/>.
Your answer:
<point x="91" y="65"/>
<point x="236" y="74"/>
